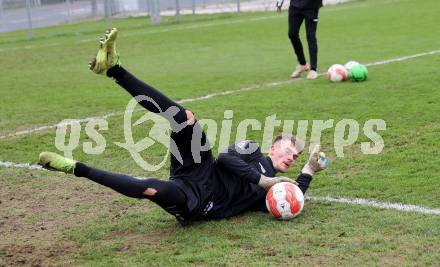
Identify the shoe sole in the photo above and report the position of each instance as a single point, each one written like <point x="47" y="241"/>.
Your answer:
<point x="47" y="167"/>
<point x="104" y="58"/>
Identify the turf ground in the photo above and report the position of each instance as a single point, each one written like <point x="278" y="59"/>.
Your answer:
<point x="50" y="218"/>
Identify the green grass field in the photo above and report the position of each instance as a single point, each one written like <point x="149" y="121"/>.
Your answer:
<point x="48" y="218"/>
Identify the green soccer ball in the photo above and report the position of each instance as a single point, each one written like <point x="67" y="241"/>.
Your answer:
<point x="358" y="73"/>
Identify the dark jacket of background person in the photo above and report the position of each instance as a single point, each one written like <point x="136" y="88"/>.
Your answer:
<point x="306" y="3"/>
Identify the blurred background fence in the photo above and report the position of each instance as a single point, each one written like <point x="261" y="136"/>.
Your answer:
<point x="29" y="14"/>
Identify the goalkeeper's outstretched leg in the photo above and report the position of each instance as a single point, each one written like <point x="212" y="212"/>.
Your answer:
<point x="166" y="194"/>
<point x="182" y="121"/>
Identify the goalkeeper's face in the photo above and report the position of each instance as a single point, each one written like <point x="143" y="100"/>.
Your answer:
<point x="283" y="155"/>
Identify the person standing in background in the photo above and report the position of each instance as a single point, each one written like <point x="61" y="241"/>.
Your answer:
<point x="299" y="11"/>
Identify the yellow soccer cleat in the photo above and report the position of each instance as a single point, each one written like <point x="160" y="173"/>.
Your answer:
<point x="55" y="162"/>
<point x="107" y="56"/>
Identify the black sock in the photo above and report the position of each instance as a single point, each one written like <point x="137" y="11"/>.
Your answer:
<point x="116" y="72"/>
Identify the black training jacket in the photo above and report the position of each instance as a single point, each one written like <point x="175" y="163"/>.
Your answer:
<point x="237" y="172"/>
<point x="306" y="3"/>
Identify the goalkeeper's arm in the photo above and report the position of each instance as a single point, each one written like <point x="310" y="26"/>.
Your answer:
<point x="279" y="5"/>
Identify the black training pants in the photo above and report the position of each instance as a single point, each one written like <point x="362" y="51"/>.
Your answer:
<point x="167" y="194"/>
<point x="296" y="18"/>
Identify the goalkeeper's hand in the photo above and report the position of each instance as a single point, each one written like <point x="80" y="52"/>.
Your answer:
<point x="268" y="182"/>
<point x="279" y="5"/>
<point x="317" y="161"/>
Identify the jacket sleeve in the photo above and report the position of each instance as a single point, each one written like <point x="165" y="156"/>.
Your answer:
<point x="304" y="181"/>
<point x="236" y="159"/>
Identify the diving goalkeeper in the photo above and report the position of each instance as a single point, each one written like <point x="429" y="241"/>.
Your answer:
<point x="202" y="189"/>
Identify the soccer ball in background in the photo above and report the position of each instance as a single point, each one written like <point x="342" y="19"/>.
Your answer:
<point x="284" y="201"/>
<point x="350" y="64"/>
<point x="358" y="73"/>
<point x="337" y="73"/>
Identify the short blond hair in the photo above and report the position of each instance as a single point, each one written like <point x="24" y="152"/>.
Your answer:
<point x="296" y="142"/>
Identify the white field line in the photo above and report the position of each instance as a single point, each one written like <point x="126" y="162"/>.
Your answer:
<point x="433" y="52"/>
<point x="46" y="127"/>
<point x="228" y="92"/>
<point x="342" y="200"/>
<point x="28" y="166"/>
<point x="376" y="204"/>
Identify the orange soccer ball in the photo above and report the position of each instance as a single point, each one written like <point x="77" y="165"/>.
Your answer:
<point x="284" y="201"/>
